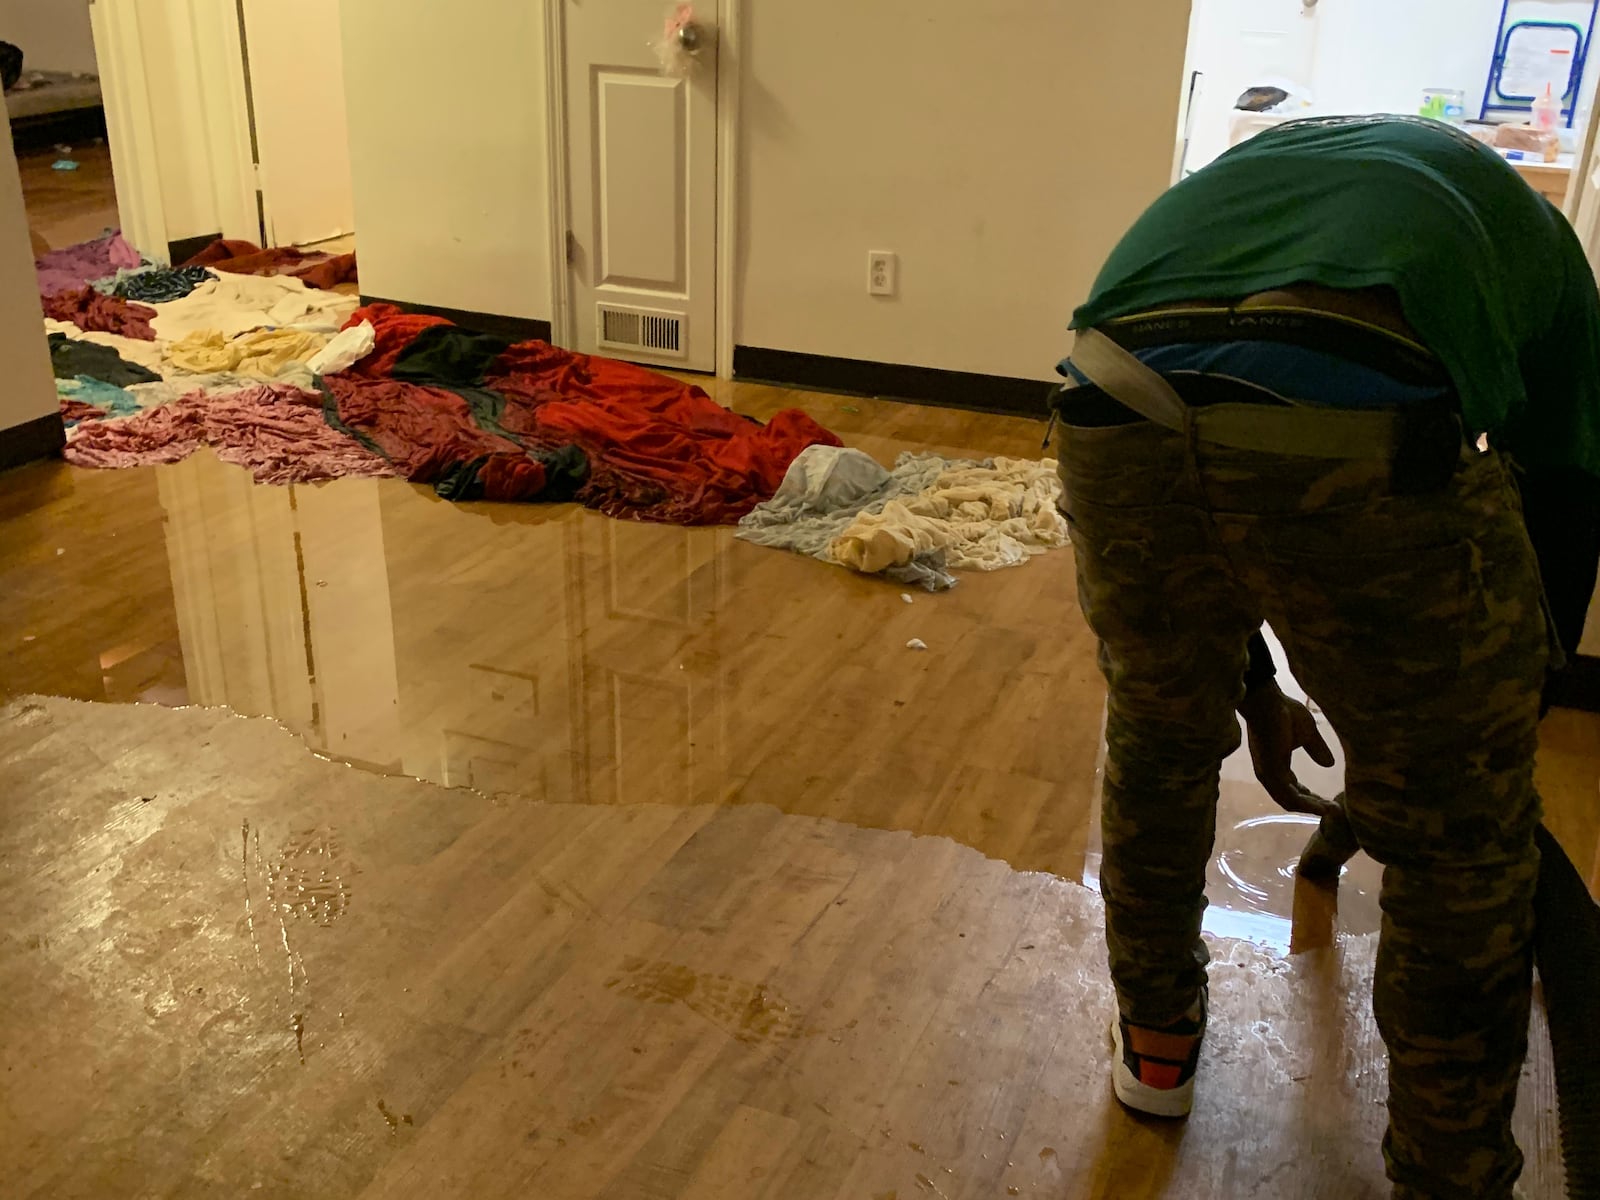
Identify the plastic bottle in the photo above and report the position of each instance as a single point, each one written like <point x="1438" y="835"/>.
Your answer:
<point x="1547" y="111"/>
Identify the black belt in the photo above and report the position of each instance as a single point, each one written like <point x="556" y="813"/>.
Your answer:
<point x="1344" y="337"/>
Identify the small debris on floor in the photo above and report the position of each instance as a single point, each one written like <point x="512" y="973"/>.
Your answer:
<point x="60" y="550"/>
<point x="322" y="583"/>
<point x="63" y="164"/>
<point x="849" y="408"/>
<point x="146" y="799"/>
<point x="916" y="644"/>
<point x="906" y="596"/>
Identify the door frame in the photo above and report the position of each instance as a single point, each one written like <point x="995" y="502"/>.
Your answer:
<point x="213" y="26"/>
<point x="130" y="127"/>
<point x="727" y="185"/>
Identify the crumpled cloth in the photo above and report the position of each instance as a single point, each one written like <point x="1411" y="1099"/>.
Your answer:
<point x="74" y="359"/>
<point x="348" y="347"/>
<point x="912" y="523"/>
<point x="313" y="267"/>
<point x="92" y="312"/>
<point x="393" y="331"/>
<point x="148" y="354"/>
<point x="165" y="391"/>
<point x="73" y="267"/>
<point x="261" y="354"/>
<point x="89" y="399"/>
<point x="158" y="285"/>
<point x="74" y="411"/>
<point x="426" y="432"/>
<point x="659" y="449"/>
<point x="823" y="482"/>
<point x="982" y="516"/>
<point x="274" y="431"/>
<point x="825" y="489"/>
<point x="235" y="304"/>
<point x="107" y="286"/>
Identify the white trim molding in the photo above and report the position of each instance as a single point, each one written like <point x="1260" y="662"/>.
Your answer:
<point x="130" y="126"/>
<point x="555" y="108"/>
<point x="728" y="93"/>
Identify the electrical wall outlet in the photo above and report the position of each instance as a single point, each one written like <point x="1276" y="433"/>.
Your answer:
<point x="883" y="272"/>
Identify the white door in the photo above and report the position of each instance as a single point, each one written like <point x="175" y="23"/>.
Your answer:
<point x="1237" y="44"/>
<point x="296" y="74"/>
<point x="641" y="171"/>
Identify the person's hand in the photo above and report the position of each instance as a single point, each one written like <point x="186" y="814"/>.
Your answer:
<point x="1278" y="726"/>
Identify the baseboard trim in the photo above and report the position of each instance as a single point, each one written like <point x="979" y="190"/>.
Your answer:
<point x="182" y="250"/>
<point x="923" y="385"/>
<point x="1578" y="686"/>
<point x="517" y="329"/>
<point x="41" y="437"/>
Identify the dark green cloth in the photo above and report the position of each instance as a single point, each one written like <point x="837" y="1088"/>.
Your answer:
<point x="71" y="358"/>
<point x="447" y="354"/>
<point x="1488" y="272"/>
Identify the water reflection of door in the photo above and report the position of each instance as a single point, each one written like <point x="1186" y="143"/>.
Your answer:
<point x="283" y="604"/>
<point x="651" y="663"/>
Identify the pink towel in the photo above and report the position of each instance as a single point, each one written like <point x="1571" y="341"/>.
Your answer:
<point x="275" y="431"/>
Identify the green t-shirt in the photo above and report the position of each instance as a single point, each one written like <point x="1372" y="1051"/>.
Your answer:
<point x="1488" y="272"/>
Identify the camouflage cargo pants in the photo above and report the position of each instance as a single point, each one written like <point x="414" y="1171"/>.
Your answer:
<point x="1415" y="622"/>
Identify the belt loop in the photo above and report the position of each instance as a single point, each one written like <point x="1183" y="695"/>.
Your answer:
<point x="1191" y="453"/>
<point x="1191" y="431"/>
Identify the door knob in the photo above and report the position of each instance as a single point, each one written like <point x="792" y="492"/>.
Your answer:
<point x="691" y="36"/>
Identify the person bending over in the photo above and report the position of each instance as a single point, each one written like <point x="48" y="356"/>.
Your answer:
<point x="1283" y="372"/>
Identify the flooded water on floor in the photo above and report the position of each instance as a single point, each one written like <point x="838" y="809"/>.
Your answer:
<point x="546" y="652"/>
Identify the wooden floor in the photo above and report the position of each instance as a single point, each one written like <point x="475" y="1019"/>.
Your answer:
<point x="65" y="207"/>
<point x="234" y="969"/>
<point x="678" y="940"/>
<point x="580" y="668"/>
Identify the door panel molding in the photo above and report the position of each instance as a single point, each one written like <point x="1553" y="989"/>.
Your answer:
<point x="655" y="257"/>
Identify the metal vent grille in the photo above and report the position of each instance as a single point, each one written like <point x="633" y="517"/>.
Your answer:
<point x="641" y="329"/>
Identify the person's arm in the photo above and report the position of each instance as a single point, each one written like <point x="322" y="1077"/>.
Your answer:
<point x="1277" y="726"/>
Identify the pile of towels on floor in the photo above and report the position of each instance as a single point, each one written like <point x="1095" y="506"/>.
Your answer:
<point x="297" y="384"/>
<point x="916" y="523"/>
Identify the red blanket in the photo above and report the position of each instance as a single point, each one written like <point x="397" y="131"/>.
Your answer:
<point x="428" y="432"/>
<point x="658" y="449"/>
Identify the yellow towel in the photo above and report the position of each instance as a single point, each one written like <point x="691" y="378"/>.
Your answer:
<point x="261" y="354"/>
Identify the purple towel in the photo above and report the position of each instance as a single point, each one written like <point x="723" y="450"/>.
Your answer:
<point x="73" y="267"/>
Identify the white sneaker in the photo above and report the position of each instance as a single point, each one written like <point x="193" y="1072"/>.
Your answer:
<point x="1152" y="1070"/>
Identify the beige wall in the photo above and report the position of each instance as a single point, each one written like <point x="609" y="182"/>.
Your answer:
<point x="53" y="34"/>
<point x="30" y="387"/>
<point x="1000" y="149"/>
<point x="447" y="152"/>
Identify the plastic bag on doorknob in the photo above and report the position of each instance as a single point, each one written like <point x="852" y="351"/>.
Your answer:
<point x="681" y="42"/>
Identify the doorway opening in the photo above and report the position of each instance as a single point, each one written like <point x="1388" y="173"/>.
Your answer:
<point x="1252" y="64"/>
<point x="58" y="129"/>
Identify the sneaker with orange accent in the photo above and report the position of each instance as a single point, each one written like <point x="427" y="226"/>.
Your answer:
<point x="1153" y="1071"/>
